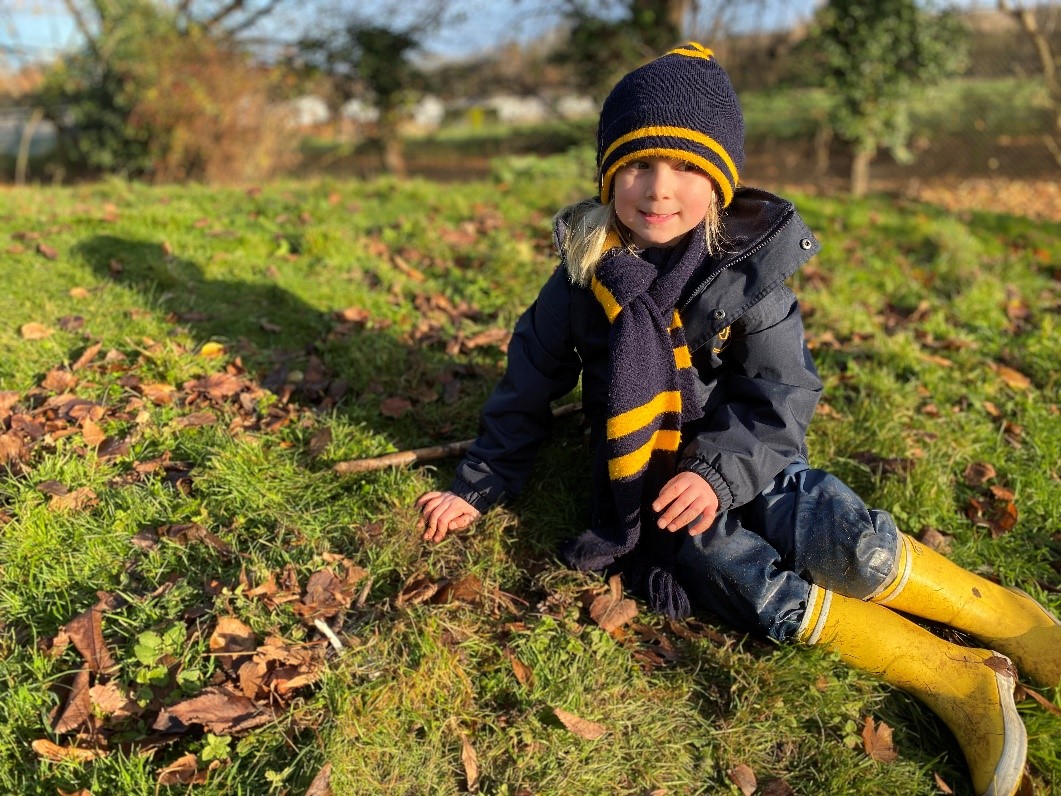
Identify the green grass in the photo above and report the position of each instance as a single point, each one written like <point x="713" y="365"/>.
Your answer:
<point x="907" y="308"/>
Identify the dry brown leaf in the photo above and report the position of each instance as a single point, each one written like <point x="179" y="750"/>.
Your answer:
<point x="418" y="589"/>
<point x="92" y="433"/>
<point x="936" y="540"/>
<point x="232" y="637"/>
<point x="583" y="728"/>
<point x="524" y="673"/>
<point x="78" y="708"/>
<point x="220" y="710"/>
<point x="610" y="610"/>
<point x="944" y="788"/>
<point x="185" y="771"/>
<point x="395" y="407"/>
<point x="743" y="777"/>
<point x="196" y="420"/>
<point x="34" y="331"/>
<point x="322" y="783"/>
<point x="159" y="394"/>
<point x="978" y="473"/>
<point x="877" y="741"/>
<point x="59" y="380"/>
<point x="777" y="787"/>
<point x="471" y="763"/>
<point x="44" y="250"/>
<point x="60" y="754"/>
<point x="112" y="700"/>
<point x="217" y="385"/>
<point x="86" y="632"/>
<point x="320" y="441"/>
<point x="1013" y="378"/>
<point x="185" y="533"/>
<point x="82" y="792"/>
<point x="78" y="293"/>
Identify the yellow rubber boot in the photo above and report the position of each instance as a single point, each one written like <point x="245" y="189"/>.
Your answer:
<point x="971" y="690"/>
<point x="933" y="587"/>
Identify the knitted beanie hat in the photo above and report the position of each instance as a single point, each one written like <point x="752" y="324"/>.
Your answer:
<point x="680" y="105"/>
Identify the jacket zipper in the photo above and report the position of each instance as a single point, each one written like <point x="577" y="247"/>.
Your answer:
<point x="743" y="256"/>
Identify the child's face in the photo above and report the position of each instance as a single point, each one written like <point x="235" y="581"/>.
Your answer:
<point x="660" y="199"/>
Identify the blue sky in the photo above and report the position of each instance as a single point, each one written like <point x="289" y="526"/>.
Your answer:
<point x="42" y="27"/>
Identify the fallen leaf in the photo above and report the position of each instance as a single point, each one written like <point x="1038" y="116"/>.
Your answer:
<point x="1013" y="378"/>
<point x="196" y="420"/>
<point x="86" y="356"/>
<point x="944" y="788"/>
<point x="320" y="441"/>
<point x="232" y="637"/>
<point x="78" y="708"/>
<point x="976" y="473"/>
<point x="78" y="293"/>
<point x="52" y="488"/>
<point x="583" y="728"/>
<point x="936" y="540"/>
<point x="86" y="632"/>
<point x="158" y="394"/>
<point x="471" y="764"/>
<point x="34" y="331"/>
<point x="220" y="710"/>
<point x="217" y="385"/>
<point x="59" y="380"/>
<point x="877" y="741"/>
<point x="61" y="754"/>
<point x="91" y="432"/>
<point x="322" y="783"/>
<point x="78" y="500"/>
<point x="211" y="350"/>
<point x="185" y="771"/>
<point x="418" y="589"/>
<point x="45" y="250"/>
<point x="610" y="611"/>
<point x="110" y="699"/>
<point x="524" y="673"/>
<point x="744" y="778"/>
<point x="777" y="787"/>
<point x="395" y="407"/>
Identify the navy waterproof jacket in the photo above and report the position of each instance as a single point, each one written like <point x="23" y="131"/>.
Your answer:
<point x="757" y="382"/>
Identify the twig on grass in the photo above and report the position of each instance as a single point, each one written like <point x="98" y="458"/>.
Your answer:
<point x="418" y="455"/>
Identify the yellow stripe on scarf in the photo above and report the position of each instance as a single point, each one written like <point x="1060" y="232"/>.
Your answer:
<point x="606" y="299"/>
<point x="639" y="417"/>
<point x="633" y="463"/>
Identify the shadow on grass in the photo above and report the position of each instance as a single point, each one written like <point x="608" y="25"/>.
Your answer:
<point x="351" y="368"/>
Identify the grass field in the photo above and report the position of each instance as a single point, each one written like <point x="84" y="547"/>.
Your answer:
<point x="182" y="367"/>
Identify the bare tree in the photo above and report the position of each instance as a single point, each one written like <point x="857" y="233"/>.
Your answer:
<point x="1029" y="23"/>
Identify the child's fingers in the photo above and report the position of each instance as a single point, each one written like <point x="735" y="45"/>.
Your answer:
<point x="677" y="507"/>
<point x="702" y="523"/>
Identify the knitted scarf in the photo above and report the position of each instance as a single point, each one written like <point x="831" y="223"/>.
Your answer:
<point x="651" y="393"/>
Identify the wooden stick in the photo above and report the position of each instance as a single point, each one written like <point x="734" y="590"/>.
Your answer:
<point x="432" y="453"/>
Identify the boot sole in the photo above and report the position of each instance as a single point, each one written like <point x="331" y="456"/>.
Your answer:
<point x="1010" y="769"/>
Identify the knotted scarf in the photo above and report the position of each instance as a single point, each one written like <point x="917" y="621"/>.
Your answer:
<point x="651" y="393"/>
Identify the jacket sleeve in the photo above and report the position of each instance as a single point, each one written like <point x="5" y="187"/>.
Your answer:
<point x="542" y="366"/>
<point x="757" y="415"/>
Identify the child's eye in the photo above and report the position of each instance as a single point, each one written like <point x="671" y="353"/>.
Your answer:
<point x="638" y="165"/>
<point x="686" y="166"/>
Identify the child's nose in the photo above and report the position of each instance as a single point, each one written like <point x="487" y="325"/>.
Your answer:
<point x="660" y="181"/>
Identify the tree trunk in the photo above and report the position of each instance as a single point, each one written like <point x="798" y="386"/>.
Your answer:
<point x="392" y="148"/>
<point x="860" y="171"/>
<point x="24" y="144"/>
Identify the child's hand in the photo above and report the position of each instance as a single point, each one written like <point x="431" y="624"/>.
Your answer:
<point x="687" y="499"/>
<point x="442" y="512"/>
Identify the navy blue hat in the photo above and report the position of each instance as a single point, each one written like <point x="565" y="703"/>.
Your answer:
<point x="680" y="105"/>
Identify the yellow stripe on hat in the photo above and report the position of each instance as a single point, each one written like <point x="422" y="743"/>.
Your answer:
<point x="693" y="50"/>
<point x="681" y="154"/>
<point x="606" y="299"/>
<point x="633" y="419"/>
<point x="633" y="463"/>
<point x="675" y="132"/>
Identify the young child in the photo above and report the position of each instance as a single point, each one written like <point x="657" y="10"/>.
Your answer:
<point x="670" y="301"/>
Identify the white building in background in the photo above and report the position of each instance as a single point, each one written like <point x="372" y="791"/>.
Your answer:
<point x="13" y="122"/>
<point x="307" y="111"/>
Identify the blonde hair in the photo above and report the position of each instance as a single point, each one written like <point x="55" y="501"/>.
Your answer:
<point x="592" y="229"/>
